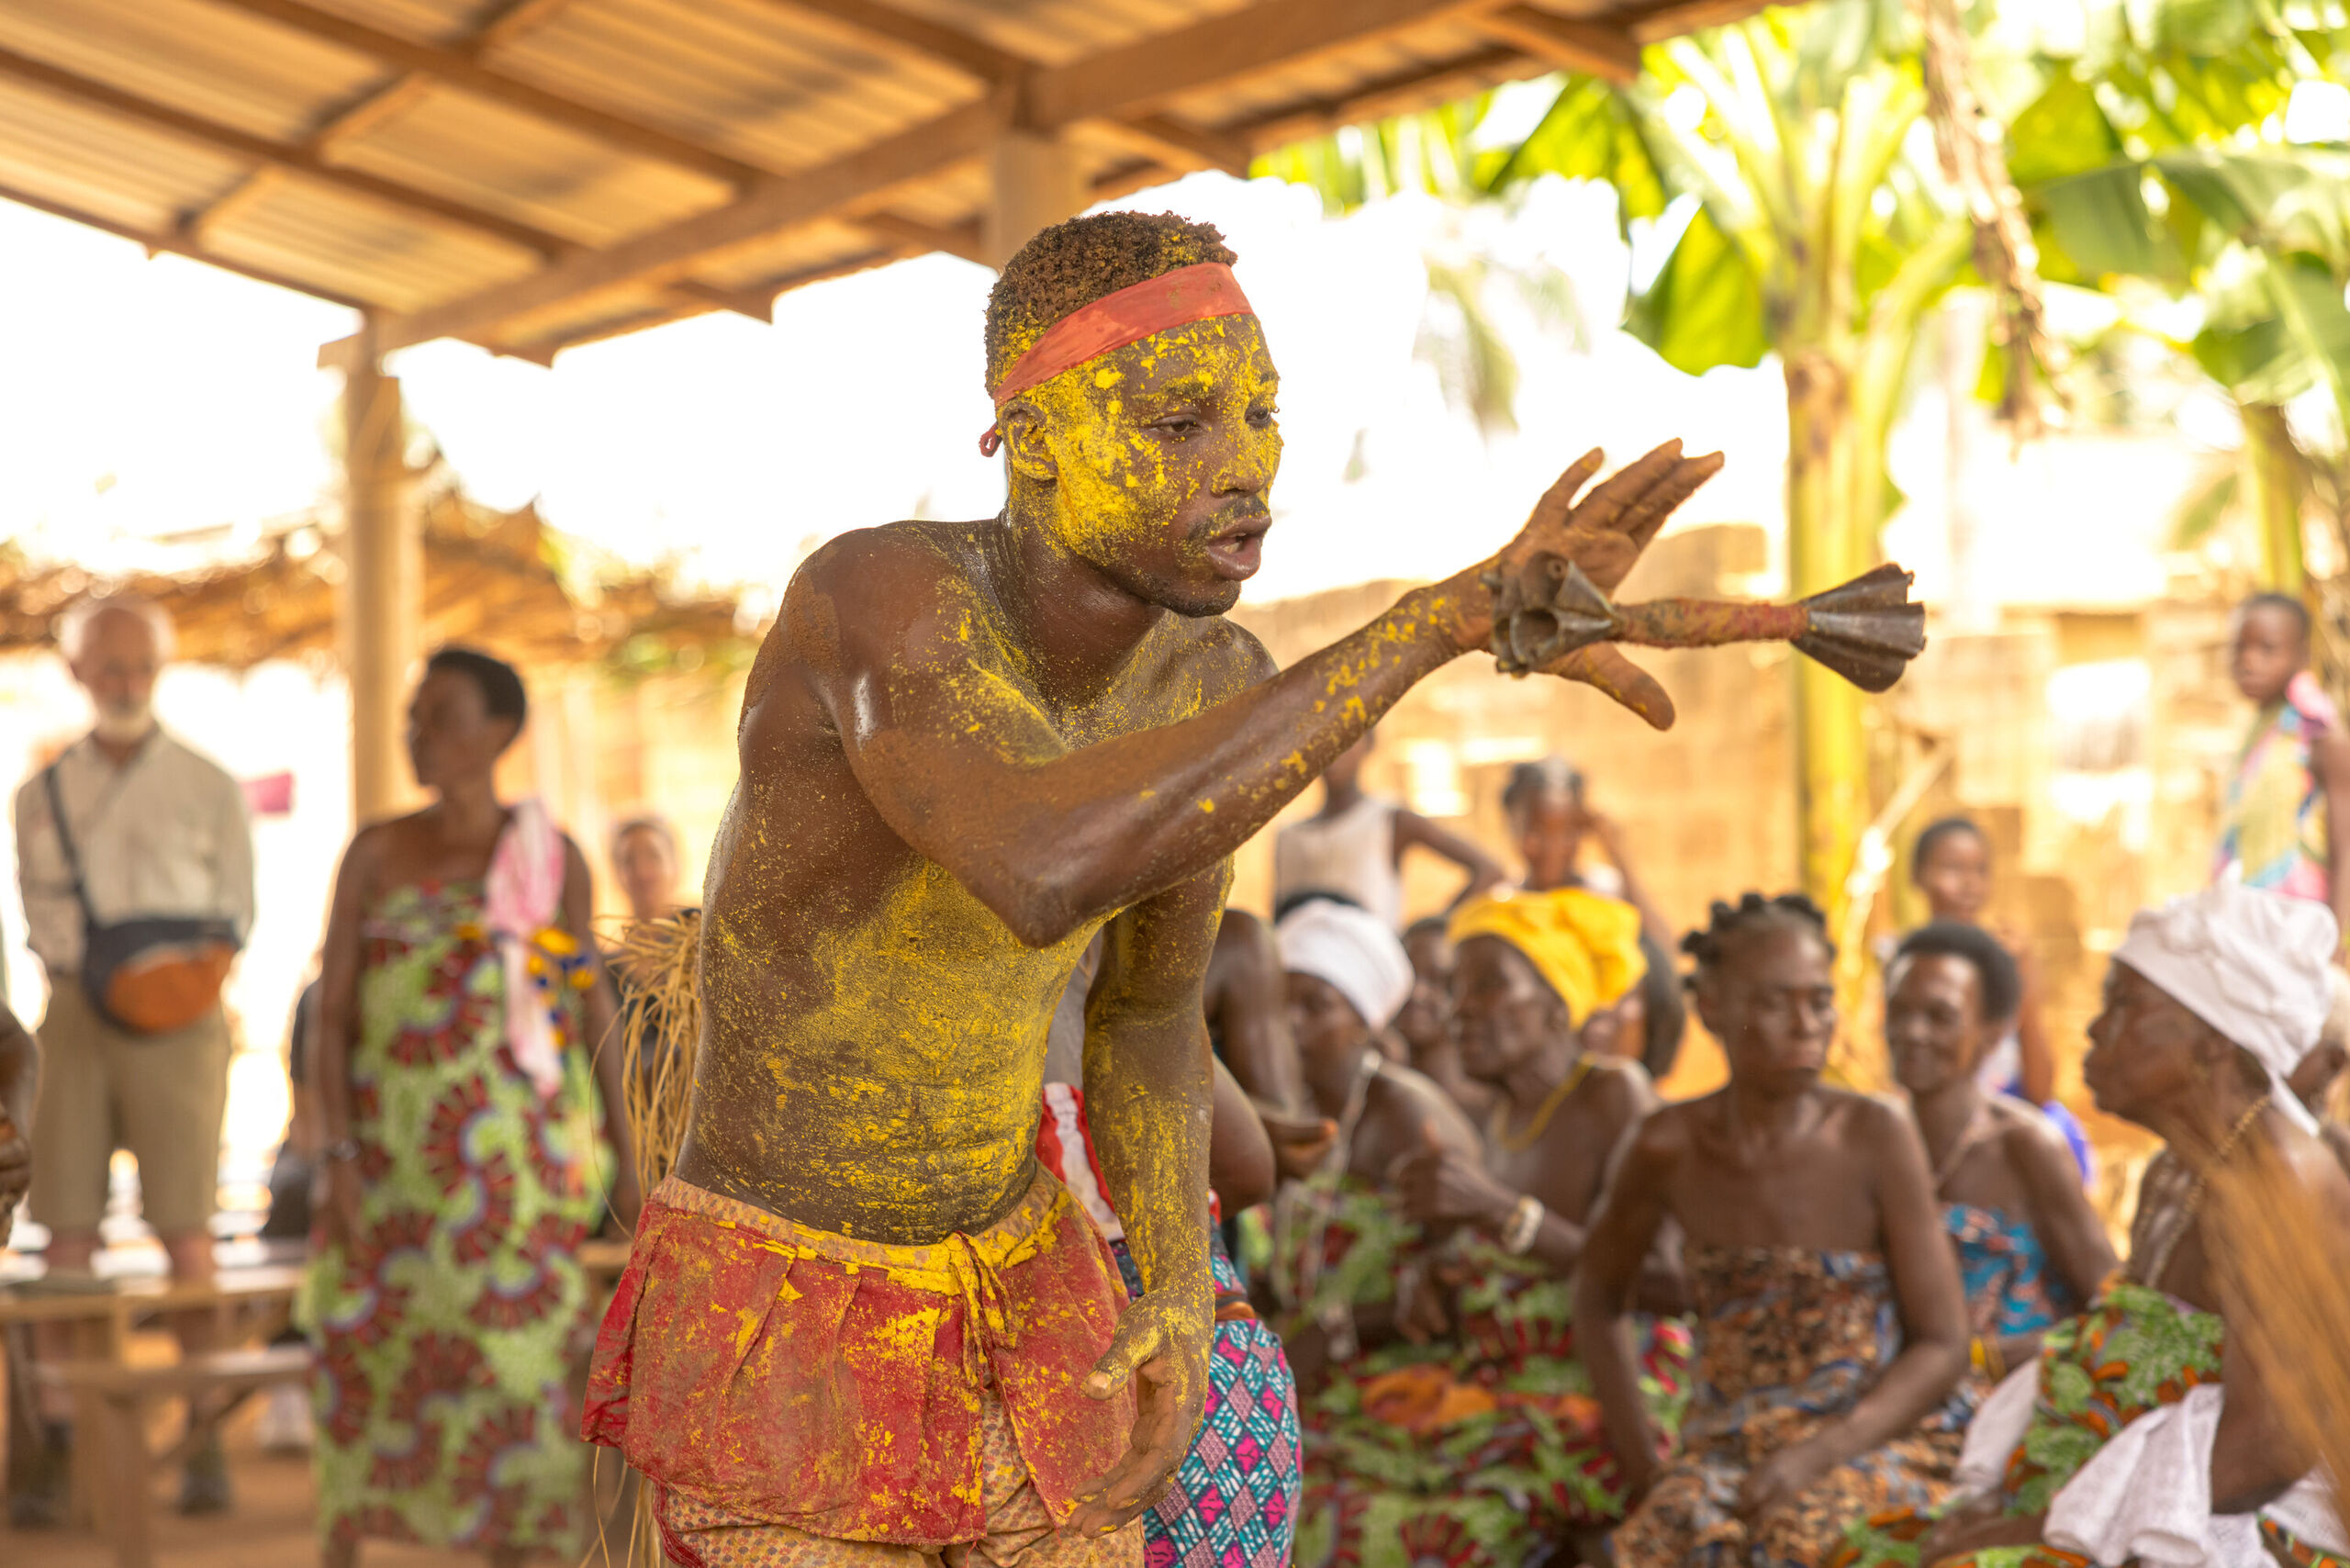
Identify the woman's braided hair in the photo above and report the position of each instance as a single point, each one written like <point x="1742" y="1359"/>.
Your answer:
<point x="1752" y="912"/>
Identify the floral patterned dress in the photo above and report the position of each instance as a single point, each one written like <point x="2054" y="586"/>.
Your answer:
<point x="1788" y="1340"/>
<point x="446" y="1332"/>
<point x="1469" y="1453"/>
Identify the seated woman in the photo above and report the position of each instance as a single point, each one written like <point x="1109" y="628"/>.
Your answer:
<point x="2030" y="1250"/>
<point x="2146" y="1427"/>
<point x="1425" y="1025"/>
<point x="1829" y="1320"/>
<point x="1350" y="1271"/>
<point x="1951" y="865"/>
<point x="1548" y="822"/>
<point x="1513" y="1399"/>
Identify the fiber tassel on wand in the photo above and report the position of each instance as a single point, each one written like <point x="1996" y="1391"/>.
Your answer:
<point x="1866" y="631"/>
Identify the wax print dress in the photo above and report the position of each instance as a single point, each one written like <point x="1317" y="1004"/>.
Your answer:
<point x="1478" y="1451"/>
<point x="446" y="1330"/>
<point x="2005" y="1271"/>
<point x="1788" y="1340"/>
<point x="2273" y="830"/>
<point x="1234" y="1501"/>
<point x="2136" y="1350"/>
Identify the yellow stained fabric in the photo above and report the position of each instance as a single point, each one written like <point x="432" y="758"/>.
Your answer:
<point x="1585" y="946"/>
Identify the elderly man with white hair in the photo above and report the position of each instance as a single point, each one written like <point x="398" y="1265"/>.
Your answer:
<point x="2148" y="1432"/>
<point x="135" y="857"/>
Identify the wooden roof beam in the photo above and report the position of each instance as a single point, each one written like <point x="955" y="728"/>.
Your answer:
<point x="458" y="68"/>
<point x="277" y="160"/>
<point x="157" y="242"/>
<point x="1592" y="48"/>
<point x="1271" y="35"/>
<point x="1118" y="83"/>
<point x="862" y="177"/>
<point x="291" y="157"/>
<point x="918" y="238"/>
<point x="1182" y="146"/>
<point x="1678" y="16"/>
<point x="544" y="350"/>
<point x="905" y="36"/>
<point x="1396" y="94"/>
<point x="372" y="110"/>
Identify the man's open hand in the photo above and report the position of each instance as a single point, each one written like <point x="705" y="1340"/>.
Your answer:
<point x="1161" y="1346"/>
<point x="1603" y="533"/>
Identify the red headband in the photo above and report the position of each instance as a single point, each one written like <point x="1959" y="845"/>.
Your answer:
<point x="1188" y="294"/>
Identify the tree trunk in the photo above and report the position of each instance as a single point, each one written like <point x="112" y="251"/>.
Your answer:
<point x="2274" y="464"/>
<point x="1829" y="526"/>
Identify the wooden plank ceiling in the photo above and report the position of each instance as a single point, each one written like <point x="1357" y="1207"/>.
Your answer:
<point x="529" y="174"/>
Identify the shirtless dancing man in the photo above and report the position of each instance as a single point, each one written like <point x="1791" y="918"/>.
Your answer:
<point x="859" y="1325"/>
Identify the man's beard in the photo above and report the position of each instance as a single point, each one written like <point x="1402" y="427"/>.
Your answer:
<point x="1217" y="595"/>
<point x="119" y="723"/>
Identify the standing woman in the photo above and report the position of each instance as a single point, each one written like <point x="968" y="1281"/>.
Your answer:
<point x="459" y="1006"/>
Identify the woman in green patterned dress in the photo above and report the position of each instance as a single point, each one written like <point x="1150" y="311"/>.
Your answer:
<point x="446" y="1303"/>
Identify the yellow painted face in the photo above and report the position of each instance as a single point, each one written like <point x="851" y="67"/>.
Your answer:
<point x="1153" y="462"/>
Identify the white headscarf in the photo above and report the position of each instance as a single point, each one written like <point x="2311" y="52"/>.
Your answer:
<point x="1350" y="949"/>
<point x="2253" y="965"/>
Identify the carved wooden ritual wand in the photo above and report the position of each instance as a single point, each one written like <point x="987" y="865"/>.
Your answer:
<point x="1866" y="631"/>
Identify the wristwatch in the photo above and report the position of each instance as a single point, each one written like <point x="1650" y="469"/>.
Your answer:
<point x="341" y="1150"/>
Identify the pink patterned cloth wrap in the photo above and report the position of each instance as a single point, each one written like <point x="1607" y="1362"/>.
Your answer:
<point x="524" y="892"/>
<point x="1234" y="1500"/>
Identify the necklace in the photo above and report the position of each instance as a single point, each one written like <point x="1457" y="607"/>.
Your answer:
<point x="1967" y="1138"/>
<point x="2188" y="1210"/>
<point x="1521" y="1141"/>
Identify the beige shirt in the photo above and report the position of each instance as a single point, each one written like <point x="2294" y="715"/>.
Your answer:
<point x="166" y="833"/>
<point x="1352" y="853"/>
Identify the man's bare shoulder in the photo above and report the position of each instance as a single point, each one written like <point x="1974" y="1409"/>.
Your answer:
<point x="870" y="589"/>
<point x="1226" y="656"/>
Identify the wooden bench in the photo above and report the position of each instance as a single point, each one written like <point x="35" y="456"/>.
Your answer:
<point x="118" y="1396"/>
<point x="254" y="1302"/>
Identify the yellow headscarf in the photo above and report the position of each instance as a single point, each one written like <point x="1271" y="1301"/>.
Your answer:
<point x="1587" y="947"/>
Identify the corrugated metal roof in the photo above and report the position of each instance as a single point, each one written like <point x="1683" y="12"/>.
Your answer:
<point x="530" y="173"/>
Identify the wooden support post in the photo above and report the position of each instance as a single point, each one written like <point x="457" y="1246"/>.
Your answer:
<point x="381" y="602"/>
<point x="1038" y="182"/>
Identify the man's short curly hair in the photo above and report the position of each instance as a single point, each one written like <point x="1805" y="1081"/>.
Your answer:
<point x="1071" y="265"/>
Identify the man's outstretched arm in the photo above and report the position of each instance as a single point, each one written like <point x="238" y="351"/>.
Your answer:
<point x="961" y="762"/>
<point x="1149" y="1100"/>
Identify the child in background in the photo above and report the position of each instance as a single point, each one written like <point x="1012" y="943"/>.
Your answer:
<point x="2292" y="778"/>
<point x="1951" y="865"/>
<point x="1354" y="848"/>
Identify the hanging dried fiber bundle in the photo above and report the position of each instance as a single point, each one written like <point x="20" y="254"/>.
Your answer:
<point x="2284" y="1264"/>
<point x="1973" y="148"/>
<point x="660" y="1025"/>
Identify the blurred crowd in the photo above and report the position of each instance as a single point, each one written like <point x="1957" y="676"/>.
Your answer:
<point x="1484" y="1295"/>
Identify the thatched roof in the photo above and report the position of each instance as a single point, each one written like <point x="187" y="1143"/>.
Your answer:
<point x="500" y="580"/>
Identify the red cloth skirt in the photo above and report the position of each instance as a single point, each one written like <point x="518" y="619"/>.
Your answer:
<point x="831" y="1385"/>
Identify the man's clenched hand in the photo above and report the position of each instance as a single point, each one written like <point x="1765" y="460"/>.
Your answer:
<point x="1161" y="1346"/>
